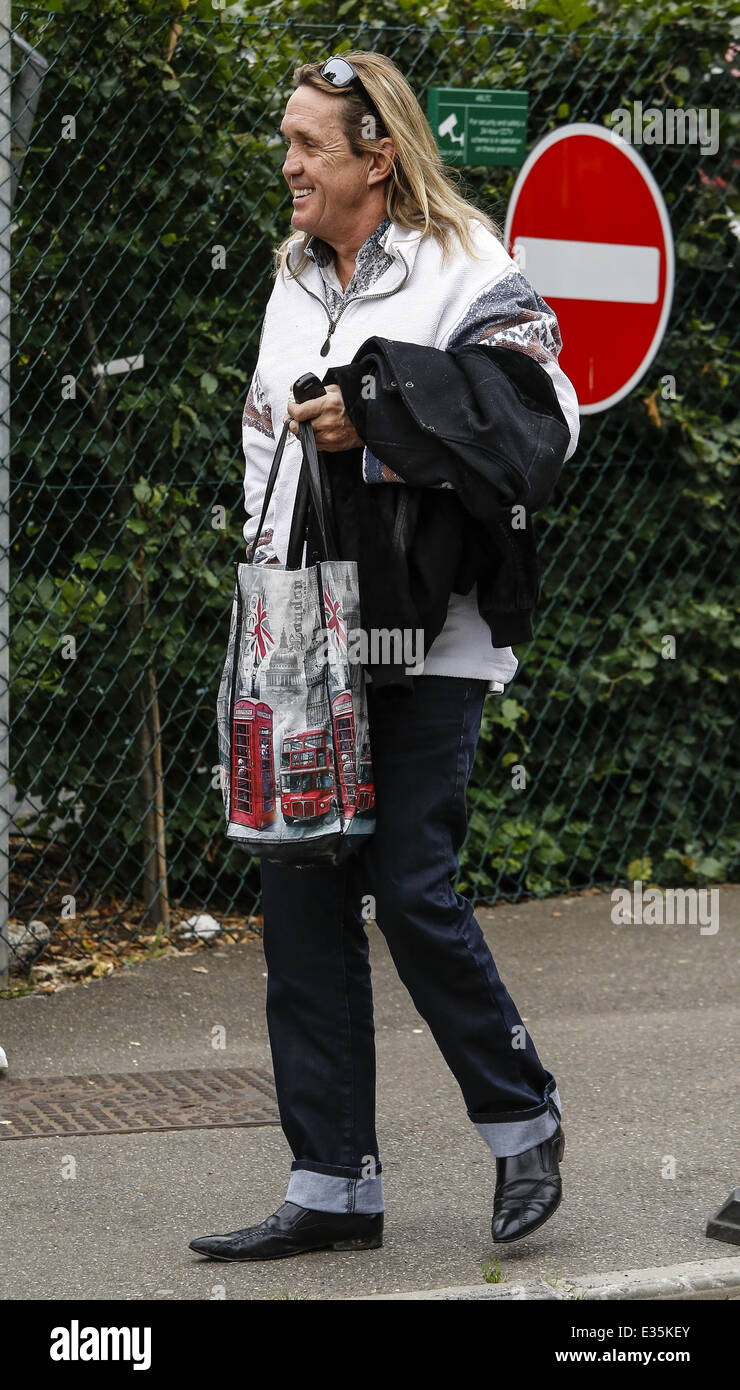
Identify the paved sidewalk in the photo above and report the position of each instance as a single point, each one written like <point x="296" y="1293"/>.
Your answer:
<point x="639" y="1025"/>
<point x="696" y="1279"/>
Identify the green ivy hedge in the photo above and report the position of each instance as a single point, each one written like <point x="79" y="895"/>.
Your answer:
<point x="606" y="753"/>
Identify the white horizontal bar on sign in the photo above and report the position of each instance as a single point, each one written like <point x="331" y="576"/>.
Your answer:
<point x="121" y="364"/>
<point x="589" y="269"/>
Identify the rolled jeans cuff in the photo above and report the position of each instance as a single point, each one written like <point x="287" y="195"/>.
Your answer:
<point x="321" y="1189"/>
<point x="507" y="1136"/>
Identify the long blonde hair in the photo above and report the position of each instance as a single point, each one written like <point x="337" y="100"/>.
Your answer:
<point x="421" y="192"/>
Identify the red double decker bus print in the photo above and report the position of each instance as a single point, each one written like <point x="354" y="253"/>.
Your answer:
<point x="365" y="781"/>
<point x="343" y="720"/>
<point x="307" y="782"/>
<point x="252" y="765"/>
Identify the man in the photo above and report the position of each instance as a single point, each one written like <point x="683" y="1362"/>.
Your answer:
<point x="444" y="404"/>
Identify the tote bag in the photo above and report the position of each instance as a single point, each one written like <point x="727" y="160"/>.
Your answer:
<point x="293" y="735"/>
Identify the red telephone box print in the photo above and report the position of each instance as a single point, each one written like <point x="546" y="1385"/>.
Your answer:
<point x="252" y="765"/>
<point x="343" y="718"/>
<point x="365" y="781"/>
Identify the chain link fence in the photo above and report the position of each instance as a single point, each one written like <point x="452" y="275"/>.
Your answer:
<point x="149" y="199"/>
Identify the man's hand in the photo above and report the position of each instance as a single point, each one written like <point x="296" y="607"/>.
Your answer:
<point x="332" y="426"/>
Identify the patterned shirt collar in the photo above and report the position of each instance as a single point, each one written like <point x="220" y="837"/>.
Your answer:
<point x="370" y="263"/>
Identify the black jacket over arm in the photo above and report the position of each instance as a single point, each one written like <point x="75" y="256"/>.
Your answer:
<point x="486" y="422"/>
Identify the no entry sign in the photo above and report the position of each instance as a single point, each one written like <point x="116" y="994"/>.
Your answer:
<point x="589" y="228"/>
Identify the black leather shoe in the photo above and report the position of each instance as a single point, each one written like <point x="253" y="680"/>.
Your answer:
<point x="291" y="1230"/>
<point x="528" y="1189"/>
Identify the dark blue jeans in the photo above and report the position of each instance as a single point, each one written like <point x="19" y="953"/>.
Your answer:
<point x="319" y="995"/>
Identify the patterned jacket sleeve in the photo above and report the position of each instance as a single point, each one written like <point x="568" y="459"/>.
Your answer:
<point x="258" y="442"/>
<point x="508" y="313"/>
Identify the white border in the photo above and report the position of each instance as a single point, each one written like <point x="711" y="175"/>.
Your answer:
<point x="601" y="132"/>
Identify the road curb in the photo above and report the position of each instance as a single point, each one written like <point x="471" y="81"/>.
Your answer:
<point x="717" y="1279"/>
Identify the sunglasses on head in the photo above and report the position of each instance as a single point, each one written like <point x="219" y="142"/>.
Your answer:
<point x="342" y="75"/>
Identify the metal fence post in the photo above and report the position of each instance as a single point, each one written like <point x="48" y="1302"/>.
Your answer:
<point x="5" y="218"/>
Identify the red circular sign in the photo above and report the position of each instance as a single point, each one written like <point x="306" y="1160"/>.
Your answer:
<point x="589" y="229"/>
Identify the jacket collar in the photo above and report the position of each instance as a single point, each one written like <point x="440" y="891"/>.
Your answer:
<point x="400" y="243"/>
<point x="374" y="245"/>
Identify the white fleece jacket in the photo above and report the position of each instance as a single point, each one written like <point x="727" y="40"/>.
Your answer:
<point x="421" y="300"/>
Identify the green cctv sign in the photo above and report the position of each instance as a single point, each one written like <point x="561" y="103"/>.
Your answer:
<point x="475" y="127"/>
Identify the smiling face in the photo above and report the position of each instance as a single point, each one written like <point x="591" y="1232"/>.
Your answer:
<point x="333" y="189"/>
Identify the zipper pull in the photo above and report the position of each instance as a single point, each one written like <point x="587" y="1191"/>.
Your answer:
<point x="325" y="348"/>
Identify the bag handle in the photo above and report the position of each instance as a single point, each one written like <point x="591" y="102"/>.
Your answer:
<point x="313" y="472"/>
<point x="319" y="489"/>
<point x="272" y="478"/>
<point x="299" y="523"/>
<point x="313" y="483"/>
<point x="312" y="505"/>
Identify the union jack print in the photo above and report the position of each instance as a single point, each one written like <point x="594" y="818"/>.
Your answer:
<point x="260" y="633"/>
<point x="335" y="620"/>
